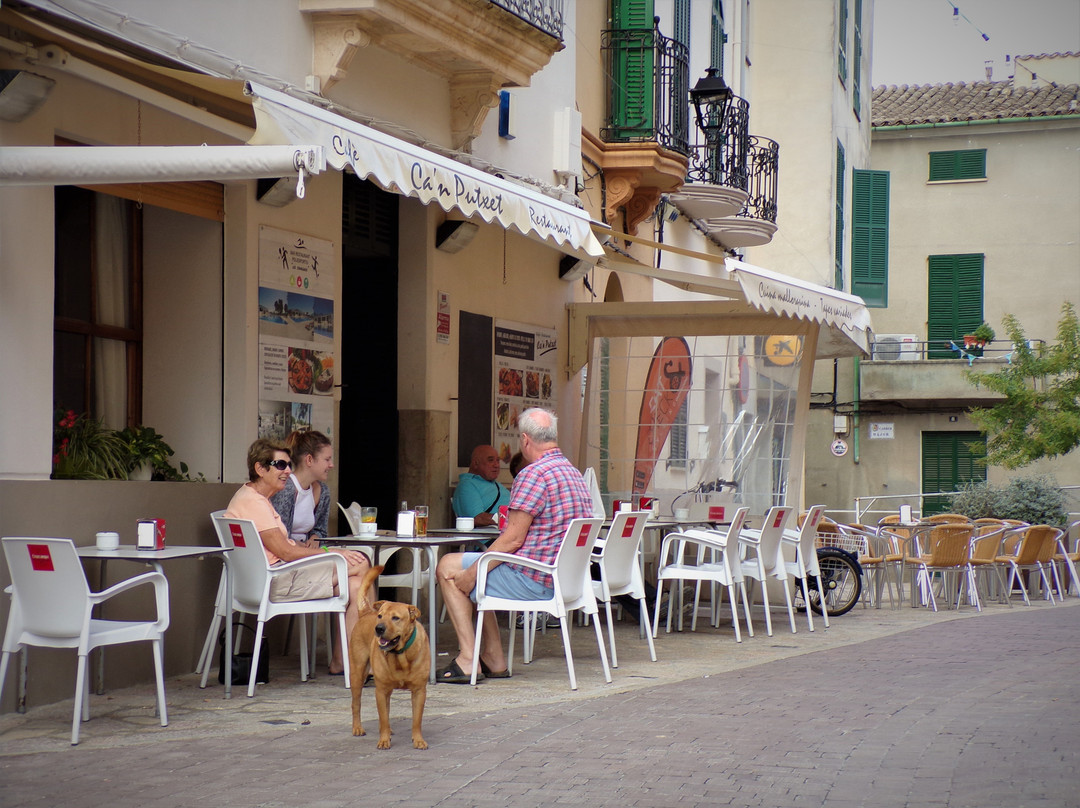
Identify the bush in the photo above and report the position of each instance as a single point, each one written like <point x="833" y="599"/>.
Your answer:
<point x="1036" y="500"/>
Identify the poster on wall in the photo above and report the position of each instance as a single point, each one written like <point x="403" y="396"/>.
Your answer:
<point x="524" y="367"/>
<point x="297" y="375"/>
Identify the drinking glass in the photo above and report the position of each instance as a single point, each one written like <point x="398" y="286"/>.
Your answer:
<point x="421" y="520"/>
<point x="368" y="514"/>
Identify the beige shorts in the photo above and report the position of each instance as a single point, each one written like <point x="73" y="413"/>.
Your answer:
<point x="306" y="583"/>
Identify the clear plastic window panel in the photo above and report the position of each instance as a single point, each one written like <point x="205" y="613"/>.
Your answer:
<point x="697" y="419"/>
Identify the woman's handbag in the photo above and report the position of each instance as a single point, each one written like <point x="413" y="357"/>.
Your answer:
<point x="241" y="662"/>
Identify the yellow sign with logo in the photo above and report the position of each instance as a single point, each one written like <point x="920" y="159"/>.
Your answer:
<point x="783" y="350"/>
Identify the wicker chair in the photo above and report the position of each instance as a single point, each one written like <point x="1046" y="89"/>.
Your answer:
<point x="948" y="550"/>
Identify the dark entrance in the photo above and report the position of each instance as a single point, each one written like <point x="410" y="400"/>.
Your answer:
<point x="368" y="426"/>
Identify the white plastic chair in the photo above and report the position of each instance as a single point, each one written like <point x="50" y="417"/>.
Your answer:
<point x="723" y="568"/>
<point x="573" y="590"/>
<point x="618" y="555"/>
<point x="805" y="562"/>
<point x="251" y="577"/>
<point x="761" y="558"/>
<point x="51" y="606"/>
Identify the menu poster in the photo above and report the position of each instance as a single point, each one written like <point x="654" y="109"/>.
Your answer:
<point x="525" y="357"/>
<point x="297" y="374"/>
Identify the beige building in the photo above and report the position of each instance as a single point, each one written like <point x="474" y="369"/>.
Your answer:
<point x="978" y="217"/>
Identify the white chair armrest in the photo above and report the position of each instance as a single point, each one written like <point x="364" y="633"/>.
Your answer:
<point x="483" y="563"/>
<point x="161" y="594"/>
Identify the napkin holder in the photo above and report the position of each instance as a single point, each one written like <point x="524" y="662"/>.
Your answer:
<point x="406" y="524"/>
<point x="150" y="535"/>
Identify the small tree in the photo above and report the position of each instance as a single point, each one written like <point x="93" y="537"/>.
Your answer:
<point x="1040" y="416"/>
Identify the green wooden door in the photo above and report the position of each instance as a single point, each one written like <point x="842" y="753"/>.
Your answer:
<point x="954" y="301"/>
<point x="950" y="460"/>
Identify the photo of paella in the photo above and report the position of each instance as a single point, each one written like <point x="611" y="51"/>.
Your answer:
<point x="301" y="371"/>
<point x="509" y="382"/>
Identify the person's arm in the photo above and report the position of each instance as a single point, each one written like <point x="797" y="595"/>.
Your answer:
<point x="509" y="541"/>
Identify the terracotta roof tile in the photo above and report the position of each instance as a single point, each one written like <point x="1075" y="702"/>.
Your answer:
<point x="981" y="100"/>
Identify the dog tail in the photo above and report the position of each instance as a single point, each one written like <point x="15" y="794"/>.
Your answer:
<point x="368" y="582"/>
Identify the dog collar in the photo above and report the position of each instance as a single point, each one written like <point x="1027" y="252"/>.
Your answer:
<point x="406" y="646"/>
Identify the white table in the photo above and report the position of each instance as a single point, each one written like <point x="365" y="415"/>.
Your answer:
<point x="430" y="544"/>
<point x="155" y="558"/>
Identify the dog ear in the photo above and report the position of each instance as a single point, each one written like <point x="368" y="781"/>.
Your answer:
<point x="415" y="613"/>
<point x="377" y="605"/>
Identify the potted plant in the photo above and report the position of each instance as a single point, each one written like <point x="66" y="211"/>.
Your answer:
<point x="85" y="449"/>
<point x="980" y="336"/>
<point x="148" y="455"/>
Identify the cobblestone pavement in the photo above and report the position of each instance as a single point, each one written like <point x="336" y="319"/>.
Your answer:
<point x="886" y="708"/>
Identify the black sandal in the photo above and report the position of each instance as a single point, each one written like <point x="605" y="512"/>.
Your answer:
<point x="452" y="674"/>
<point x="490" y="674"/>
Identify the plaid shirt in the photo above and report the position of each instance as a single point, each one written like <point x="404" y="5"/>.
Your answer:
<point x="553" y="492"/>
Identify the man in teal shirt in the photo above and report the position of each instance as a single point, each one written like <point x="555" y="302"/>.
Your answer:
<point x="479" y="493"/>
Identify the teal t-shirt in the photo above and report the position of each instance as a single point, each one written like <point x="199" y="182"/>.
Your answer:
<point x="476" y="495"/>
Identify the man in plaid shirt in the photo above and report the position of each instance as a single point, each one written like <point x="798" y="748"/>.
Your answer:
<point x="548" y="493"/>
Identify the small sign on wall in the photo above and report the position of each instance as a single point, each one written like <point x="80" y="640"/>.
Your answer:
<point x="881" y="431"/>
<point x="442" y="319"/>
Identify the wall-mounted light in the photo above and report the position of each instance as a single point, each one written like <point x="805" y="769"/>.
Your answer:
<point x="454" y="235"/>
<point x="21" y="93"/>
<point x="571" y="268"/>
<point x="275" y="191"/>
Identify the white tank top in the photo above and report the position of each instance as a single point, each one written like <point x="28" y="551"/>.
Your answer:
<point x="303" y="521"/>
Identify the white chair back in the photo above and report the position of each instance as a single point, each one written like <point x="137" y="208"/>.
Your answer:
<point x="49" y="587"/>
<point x="247" y="560"/>
<point x="572" y="561"/>
<point x="772" y="533"/>
<point x="620" y="549"/>
<point x="807" y="539"/>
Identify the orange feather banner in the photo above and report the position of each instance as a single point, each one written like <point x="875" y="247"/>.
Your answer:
<point x="666" y="387"/>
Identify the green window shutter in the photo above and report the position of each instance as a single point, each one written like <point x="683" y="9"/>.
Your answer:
<point x="841" y="42"/>
<point x="963" y="164"/>
<point x="838" y="246"/>
<point x="870" y="236"/>
<point x="681" y="27"/>
<point x="954" y="300"/>
<point x="717" y="37"/>
<point x="950" y="460"/>
<point x="632" y="69"/>
<point x="856" y="58"/>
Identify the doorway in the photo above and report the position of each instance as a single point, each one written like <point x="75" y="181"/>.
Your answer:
<point x="367" y="459"/>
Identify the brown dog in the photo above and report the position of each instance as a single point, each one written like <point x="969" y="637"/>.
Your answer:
<point x="392" y="640"/>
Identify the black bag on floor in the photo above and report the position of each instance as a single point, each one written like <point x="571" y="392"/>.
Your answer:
<point x="241" y="661"/>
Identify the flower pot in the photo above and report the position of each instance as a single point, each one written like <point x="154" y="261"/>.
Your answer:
<point x="143" y="472"/>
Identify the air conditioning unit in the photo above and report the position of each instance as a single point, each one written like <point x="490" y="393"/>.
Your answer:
<point x="892" y="347"/>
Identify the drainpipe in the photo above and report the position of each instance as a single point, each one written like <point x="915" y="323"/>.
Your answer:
<point x="856" y="382"/>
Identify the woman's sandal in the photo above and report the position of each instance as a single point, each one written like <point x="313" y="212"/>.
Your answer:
<point x="452" y="674"/>
<point x="490" y="674"/>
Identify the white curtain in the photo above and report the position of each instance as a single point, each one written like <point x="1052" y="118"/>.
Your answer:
<point x="111" y="259"/>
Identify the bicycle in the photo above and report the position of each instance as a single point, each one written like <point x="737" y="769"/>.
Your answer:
<point x="841" y="575"/>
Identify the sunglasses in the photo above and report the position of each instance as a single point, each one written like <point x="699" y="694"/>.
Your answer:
<point x="280" y="465"/>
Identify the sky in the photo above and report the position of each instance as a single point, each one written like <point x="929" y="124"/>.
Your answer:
<point x="923" y="42"/>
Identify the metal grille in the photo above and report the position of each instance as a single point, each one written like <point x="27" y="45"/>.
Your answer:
<point x="547" y="15"/>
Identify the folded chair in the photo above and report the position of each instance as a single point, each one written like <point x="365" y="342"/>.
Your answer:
<point x="51" y="606"/>
<point x="572" y="590"/>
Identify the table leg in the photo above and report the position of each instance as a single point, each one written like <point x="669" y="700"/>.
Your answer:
<point x="226" y="652"/>
<point x="433" y="620"/>
<point x="100" y="689"/>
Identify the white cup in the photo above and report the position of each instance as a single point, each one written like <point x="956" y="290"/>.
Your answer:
<point x="465" y="523"/>
<point x="368" y="528"/>
<point x="682" y="514"/>
<point x="108" y="541"/>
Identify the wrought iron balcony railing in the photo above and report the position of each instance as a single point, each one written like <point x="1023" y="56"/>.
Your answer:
<point x="762" y="172"/>
<point x="547" y="15"/>
<point x="723" y="162"/>
<point x="650" y="79"/>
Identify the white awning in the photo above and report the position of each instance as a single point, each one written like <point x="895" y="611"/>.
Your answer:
<point x="106" y="165"/>
<point x="411" y="170"/>
<point x="845" y="318"/>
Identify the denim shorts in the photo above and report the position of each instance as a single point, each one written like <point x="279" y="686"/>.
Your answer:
<point x="505" y="581"/>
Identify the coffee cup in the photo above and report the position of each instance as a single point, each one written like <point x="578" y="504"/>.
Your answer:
<point x="465" y="523"/>
<point x="682" y="514"/>
<point x="368" y="528"/>
<point x="108" y="541"/>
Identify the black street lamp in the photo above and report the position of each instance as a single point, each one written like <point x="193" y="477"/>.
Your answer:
<point x="711" y="91"/>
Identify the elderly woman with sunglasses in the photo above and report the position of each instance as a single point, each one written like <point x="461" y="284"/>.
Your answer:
<point x="269" y="467"/>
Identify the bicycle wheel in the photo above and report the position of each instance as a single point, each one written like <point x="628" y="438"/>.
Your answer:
<point x="841" y="579"/>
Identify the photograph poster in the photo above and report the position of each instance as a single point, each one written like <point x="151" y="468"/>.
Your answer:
<point x="524" y="366"/>
<point x="297" y="375"/>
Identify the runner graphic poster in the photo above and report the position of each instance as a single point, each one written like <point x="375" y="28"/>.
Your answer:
<point x="297" y="373"/>
<point x="524" y="367"/>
